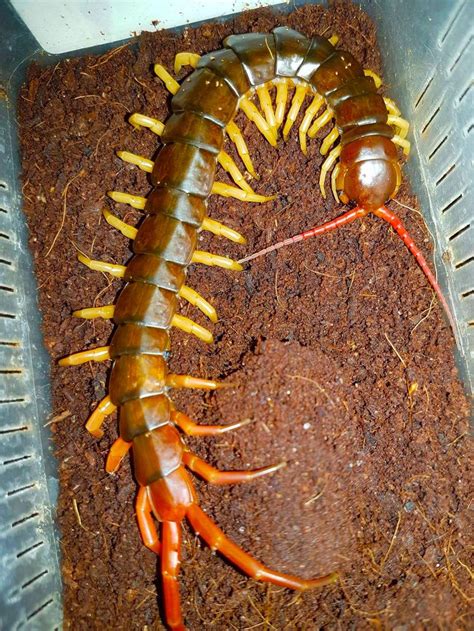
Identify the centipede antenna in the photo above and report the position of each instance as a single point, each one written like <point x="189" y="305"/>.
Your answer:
<point x="126" y="229"/>
<point x="228" y="164"/>
<point x="171" y="84"/>
<point x="98" y="416"/>
<point x="215" y="260"/>
<point x="185" y="59"/>
<point x="135" y="201"/>
<point x="132" y="158"/>
<point x="397" y="225"/>
<point x="99" y="354"/>
<point x="226" y="190"/>
<point x="342" y="220"/>
<point x="189" y="326"/>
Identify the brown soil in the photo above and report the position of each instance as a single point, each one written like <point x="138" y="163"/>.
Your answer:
<point x="337" y="351"/>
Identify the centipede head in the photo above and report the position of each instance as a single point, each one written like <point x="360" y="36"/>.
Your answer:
<point x="369" y="172"/>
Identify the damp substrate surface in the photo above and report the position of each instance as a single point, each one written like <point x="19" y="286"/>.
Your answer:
<point x="336" y="350"/>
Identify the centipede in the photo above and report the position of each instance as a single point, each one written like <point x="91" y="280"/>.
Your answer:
<point x="268" y="77"/>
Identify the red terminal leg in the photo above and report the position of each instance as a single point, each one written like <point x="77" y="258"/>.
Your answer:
<point x="145" y="521"/>
<point x="400" y="229"/>
<point x="170" y="562"/>
<point x="351" y="215"/>
<point x="215" y="476"/>
<point x="191" y="428"/>
<point x="217" y="540"/>
<point x="117" y="453"/>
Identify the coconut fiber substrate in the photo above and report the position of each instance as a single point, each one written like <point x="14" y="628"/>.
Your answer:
<point x="335" y="349"/>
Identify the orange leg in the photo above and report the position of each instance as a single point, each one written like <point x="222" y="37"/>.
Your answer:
<point x="397" y="225"/>
<point x="217" y="540"/>
<point x="191" y="428"/>
<point x="170" y="561"/>
<point x="117" y="453"/>
<point x="215" y="476"/>
<point x="145" y="521"/>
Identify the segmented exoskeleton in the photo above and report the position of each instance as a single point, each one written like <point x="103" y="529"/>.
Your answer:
<point x="183" y="177"/>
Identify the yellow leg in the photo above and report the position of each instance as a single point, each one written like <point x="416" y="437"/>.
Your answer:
<point x="329" y="140"/>
<point x="374" y="76"/>
<point x="333" y="39"/>
<point x="142" y="163"/>
<point x="94" y="423"/>
<point x="296" y="103"/>
<point x="100" y="354"/>
<point x="228" y="164"/>
<point x="102" y="266"/>
<point x="266" y="105"/>
<point x="334" y="175"/>
<point x="281" y="99"/>
<point x="403" y="143"/>
<point x="316" y="104"/>
<point x="171" y="84"/>
<point x="401" y="123"/>
<point x="214" y="260"/>
<point x="188" y="326"/>
<point x="126" y="229"/>
<point x="195" y="299"/>
<point x="135" y="201"/>
<point x="106" y="312"/>
<point x="221" y="188"/>
<point x="236" y="137"/>
<point x="140" y="120"/>
<point x="220" y="230"/>
<point x="319" y="123"/>
<point x="185" y="59"/>
<point x="391" y="106"/>
<point x="187" y="381"/>
<point x="327" y="166"/>
<point x="254" y="115"/>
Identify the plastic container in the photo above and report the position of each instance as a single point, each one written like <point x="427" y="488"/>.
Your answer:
<point x="427" y="50"/>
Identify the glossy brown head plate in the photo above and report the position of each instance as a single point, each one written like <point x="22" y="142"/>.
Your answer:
<point x="369" y="172"/>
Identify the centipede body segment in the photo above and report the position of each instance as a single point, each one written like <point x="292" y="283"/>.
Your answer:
<point x="362" y="152"/>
